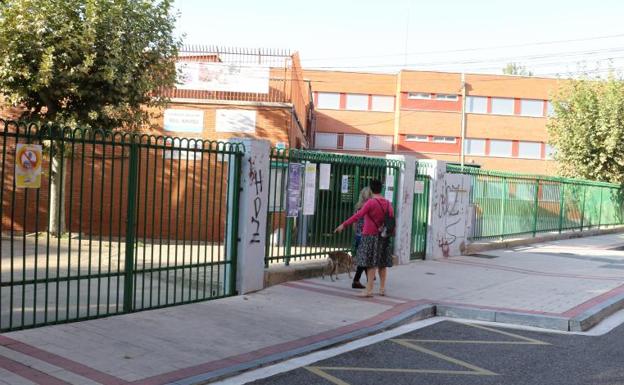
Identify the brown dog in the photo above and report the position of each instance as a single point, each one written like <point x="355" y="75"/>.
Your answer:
<point x="338" y="261"/>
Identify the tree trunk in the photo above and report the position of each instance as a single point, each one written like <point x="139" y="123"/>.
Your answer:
<point x="57" y="195"/>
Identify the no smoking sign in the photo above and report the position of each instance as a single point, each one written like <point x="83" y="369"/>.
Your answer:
<point x="28" y="159"/>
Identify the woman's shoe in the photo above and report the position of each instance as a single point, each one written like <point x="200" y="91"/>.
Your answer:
<point x="382" y="292"/>
<point x="367" y="295"/>
<point x="357" y="285"/>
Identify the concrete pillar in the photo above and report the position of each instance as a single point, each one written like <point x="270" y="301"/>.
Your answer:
<point x="252" y="219"/>
<point x="449" y="217"/>
<point x="404" y="207"/>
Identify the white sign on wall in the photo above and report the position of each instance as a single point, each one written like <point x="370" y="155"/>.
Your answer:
<point x="211" y="76"/>
<point x="184" y="120"/>
<point x="243" y="121"/>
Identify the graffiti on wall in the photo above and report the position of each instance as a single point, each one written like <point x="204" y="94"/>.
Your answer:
<point x="255" y="180"/>
<point x="447" y="207"/>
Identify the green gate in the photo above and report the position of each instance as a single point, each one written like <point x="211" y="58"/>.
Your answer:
<point x="311" y="235"/>
<point x="141" y="224"/>
<point x="420" y="217"/>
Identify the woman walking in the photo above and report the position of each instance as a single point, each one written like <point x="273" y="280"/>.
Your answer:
<point x="374" y="250"/>
<point x="365" y="195"/>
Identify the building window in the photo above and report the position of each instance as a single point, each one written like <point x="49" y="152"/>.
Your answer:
<point x="530" y="150"/>
<point x="500" y="148"/>
<point x="383" y="103"/>
<point x="326" y="140"/>
<point x="444" y="139"/>
<point x="502" y="106"/>
<point x="550" y="152"/>
<point x="550" y="109"/>
<point x="418" y="95"/>
<point x="380" y="143"/>
<point x="475" y="146"/>
<point x="358" y="102"/>
<point x="447" y="97"/>
<point x="531" y="107"/>
<point x="328" y="100"/>
<point x="354" y="142"/>
<point x="476" y="104"/>
<point x="416" y="138"/>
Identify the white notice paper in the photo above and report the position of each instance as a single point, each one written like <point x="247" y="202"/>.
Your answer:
<point x="324" y="176"/>
<point x="309" y="189"/>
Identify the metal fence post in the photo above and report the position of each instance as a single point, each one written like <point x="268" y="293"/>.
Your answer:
<point x="583" y="207"/>
<point x="131" y="224"/>
<point x="535" y="213"/>
<point x="234" y="236"/>
<point x="561" y="206"/>
<point x="503" y="198"/>
<point x="600" y="210"/>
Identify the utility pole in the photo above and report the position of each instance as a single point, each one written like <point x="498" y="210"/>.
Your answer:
<point x="463" y="121"/>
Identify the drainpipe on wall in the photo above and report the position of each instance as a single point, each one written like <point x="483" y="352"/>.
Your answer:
<point x="463" y="121"/>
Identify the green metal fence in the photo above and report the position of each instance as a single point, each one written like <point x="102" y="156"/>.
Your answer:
<point x="338" y="179"/>
<point x="508" y="204"/>
<point x="420" y="216"/>
<point x="145" y="222"/>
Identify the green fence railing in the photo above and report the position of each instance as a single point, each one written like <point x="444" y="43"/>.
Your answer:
<point x="308" y="232"/>
<point x="144" y="220"/>
<point x="509" y="204"/>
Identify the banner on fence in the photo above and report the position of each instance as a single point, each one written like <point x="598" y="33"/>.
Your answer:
<point x="344" y="187"/>
<point x="28" y="158"/>
<point x="293" y="192"/>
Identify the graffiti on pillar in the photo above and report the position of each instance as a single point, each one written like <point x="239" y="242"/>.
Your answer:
<point x="255" y="182"/>
<point x="447" y="208"/>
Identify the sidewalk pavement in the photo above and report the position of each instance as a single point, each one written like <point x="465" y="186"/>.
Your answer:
<point x="565" y="285"/>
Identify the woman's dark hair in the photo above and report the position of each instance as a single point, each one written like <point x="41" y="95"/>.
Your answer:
<point x="375" y="186"/>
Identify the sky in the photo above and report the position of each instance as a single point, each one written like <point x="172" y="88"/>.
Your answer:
<point x="550" y="38"/>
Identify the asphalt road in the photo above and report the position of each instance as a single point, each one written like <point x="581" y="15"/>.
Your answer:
<point x="451" y="353"/>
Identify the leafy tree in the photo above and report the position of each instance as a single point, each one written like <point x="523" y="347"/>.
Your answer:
<point x="86" y="63"/>
<point x="516" y="69"/>
<point x="587" y="129"/>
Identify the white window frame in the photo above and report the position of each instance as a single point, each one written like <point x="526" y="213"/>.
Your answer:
<point x="327" y="135"/>
<point x="550" y="152"/>
<point x="539" y="150"/>
<point x="468" y="104"/>
<point x="378" y="103"/>
<point x="550" y="109"/>
<point x="419" y="95"/>
<point x="354" y="136"/>
<point x="416" y="138"/>
<point x="385" y="140"/>
<point x="524" y="113"/>
<point x="447" y="97"/>
<point x="444" y="139"/>
<point x="494" y="99"/>
<point x="318" y="99"/>
<point x="469" y="142"/>
<point x="357" y="107"/>
<point x="492" y="145"/>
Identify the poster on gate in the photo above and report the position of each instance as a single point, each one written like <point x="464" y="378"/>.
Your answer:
<point x="28" y="158"/>
<point x="293" y="192"/>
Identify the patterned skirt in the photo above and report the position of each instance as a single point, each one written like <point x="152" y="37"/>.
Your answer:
<point x="374" y="251"/>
